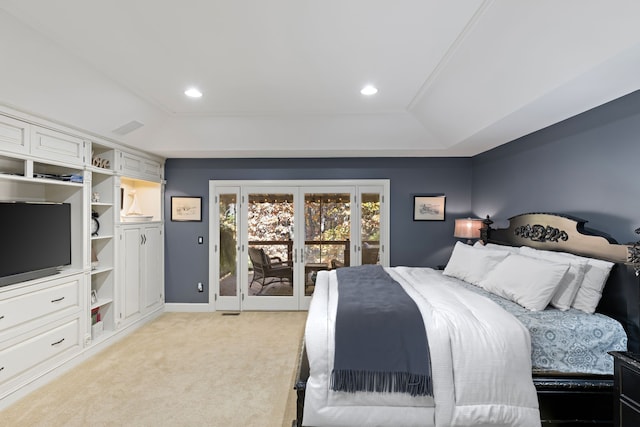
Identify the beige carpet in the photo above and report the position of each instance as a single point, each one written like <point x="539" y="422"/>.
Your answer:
<point x="182" y="369"/>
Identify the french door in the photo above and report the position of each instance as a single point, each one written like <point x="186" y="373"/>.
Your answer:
<point x="269" y="240"/>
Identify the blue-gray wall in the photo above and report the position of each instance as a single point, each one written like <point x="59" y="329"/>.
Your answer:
<point x="587" y="166"/>
<point x="421" y="243"/>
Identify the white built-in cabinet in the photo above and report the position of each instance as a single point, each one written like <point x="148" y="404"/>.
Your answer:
<point x="136" y="166"/>
<point x="116" y="277"/>
<point x="141" y="281"/>
<point x="14" y="135"/>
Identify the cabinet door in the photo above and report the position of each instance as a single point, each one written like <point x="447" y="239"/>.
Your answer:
<point x="153" y="283"/>
<point x="52" y="145"/>
<point x="130" y="249"/>
<point x="14" y="135"/>
<point x="139" y="167"/>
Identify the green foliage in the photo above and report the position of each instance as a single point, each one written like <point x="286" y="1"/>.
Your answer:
<point x="270" y="220"/>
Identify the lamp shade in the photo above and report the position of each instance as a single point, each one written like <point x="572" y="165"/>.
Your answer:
<point x="467" y="228"/>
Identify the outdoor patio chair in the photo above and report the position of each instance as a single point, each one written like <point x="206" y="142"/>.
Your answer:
<point x="271" y="269"/>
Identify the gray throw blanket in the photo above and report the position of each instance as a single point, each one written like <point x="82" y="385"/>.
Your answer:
<point x="381" y="344"/>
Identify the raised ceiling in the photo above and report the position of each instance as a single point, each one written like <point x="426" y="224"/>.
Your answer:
<point x="282" y="78"/>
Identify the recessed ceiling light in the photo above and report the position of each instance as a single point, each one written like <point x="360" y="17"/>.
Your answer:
<point x="369" y="90"/>
<point x="193" y="93"/>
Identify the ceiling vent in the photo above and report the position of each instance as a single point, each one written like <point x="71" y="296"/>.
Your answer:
<point x="128" y="127"/>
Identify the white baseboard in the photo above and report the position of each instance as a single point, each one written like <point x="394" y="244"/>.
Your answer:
<point x="188" y="308"/>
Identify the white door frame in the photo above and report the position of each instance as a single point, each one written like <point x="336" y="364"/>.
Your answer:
<point x="216" y="300"/>
<point x="304" y="186"/>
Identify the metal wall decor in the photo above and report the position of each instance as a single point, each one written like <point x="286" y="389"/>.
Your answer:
<point x="540" y="233"/>
<point x="634" y="254"/>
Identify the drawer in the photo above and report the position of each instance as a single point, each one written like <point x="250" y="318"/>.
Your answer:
<point x="52" y="145"/>
<point x="14" y="135"/>
<point x="33" y="305"/>
<point x="629" y="416"/>
<point x="630" y="384"/>
<point x="35" y="350"/>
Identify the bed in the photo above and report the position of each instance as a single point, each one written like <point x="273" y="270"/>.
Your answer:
<point x="554" y="376"/>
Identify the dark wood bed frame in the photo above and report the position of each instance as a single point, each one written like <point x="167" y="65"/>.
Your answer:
<point x="565" y="400"/>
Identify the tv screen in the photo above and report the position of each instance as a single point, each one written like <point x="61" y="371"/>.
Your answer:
<point x="36" y="237"/>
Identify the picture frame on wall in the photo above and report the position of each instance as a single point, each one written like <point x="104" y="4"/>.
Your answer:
<point x="428" y="208"/>
<point x="186" y="208"/>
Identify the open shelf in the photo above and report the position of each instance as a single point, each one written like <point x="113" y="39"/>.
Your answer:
<point x="143" y="197"/>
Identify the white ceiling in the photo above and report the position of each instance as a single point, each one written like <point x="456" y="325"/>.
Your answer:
<point x="281" y="78"/>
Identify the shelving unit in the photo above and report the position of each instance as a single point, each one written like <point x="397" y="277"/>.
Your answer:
<point x="17" y="183"/>
<point x="42" y="161"/>
<point x="43" y="319"/>
<point x="146" y="195"/>
<point x="103" y="198"/>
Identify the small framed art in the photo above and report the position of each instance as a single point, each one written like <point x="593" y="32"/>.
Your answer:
<point x="186" y="208"/>
<point x="428" y="208"/>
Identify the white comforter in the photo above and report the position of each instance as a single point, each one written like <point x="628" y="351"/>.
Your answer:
<point x="480" y="358"/>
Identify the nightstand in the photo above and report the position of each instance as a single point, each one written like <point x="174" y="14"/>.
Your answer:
<point x="626" y="402"/>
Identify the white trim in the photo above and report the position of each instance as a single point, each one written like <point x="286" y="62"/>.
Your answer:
<point x="188" y="307"/>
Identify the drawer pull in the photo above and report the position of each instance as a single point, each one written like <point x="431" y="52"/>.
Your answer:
<point x="57" y="342"/>
<point x="1" y="368"/>
<point x="1" y="316"/>
<point x="57" y="300"/>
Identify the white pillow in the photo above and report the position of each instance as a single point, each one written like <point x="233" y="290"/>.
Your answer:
<point x="596" y="274"/>
<point x="493" y="246"/>
<point x="590" y="292"/>
<point x="527" y="281"/>
<point x="568" y="287"/>
<point x="472" y="264"/>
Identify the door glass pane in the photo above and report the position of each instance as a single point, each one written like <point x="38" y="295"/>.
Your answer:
<point x="370" y="228"/>
<point x="270" y="233"/>
<point x="327" y="219"/>
<point x="228" y="245"/>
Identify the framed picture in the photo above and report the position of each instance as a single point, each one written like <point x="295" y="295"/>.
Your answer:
<point x="186" y="208"/>
<point x="94" y="296"/>
<point x="428" y="208"/>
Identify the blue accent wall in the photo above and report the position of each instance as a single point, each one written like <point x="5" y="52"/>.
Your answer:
<point x="586" y="166"/>
<point x="419" y="243"/>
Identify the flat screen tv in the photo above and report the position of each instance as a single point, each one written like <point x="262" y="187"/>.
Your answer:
<point x="36" y="240"/>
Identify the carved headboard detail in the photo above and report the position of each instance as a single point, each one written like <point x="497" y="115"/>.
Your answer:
<point x="540" y="233"/>
<point x="634" y="253"/>
<point x="555" y="232"/>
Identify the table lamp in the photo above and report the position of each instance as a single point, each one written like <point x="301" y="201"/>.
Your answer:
<point x="467" y="228"/>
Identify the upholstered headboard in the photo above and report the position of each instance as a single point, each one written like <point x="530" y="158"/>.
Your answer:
<point x="621" y="295"/>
